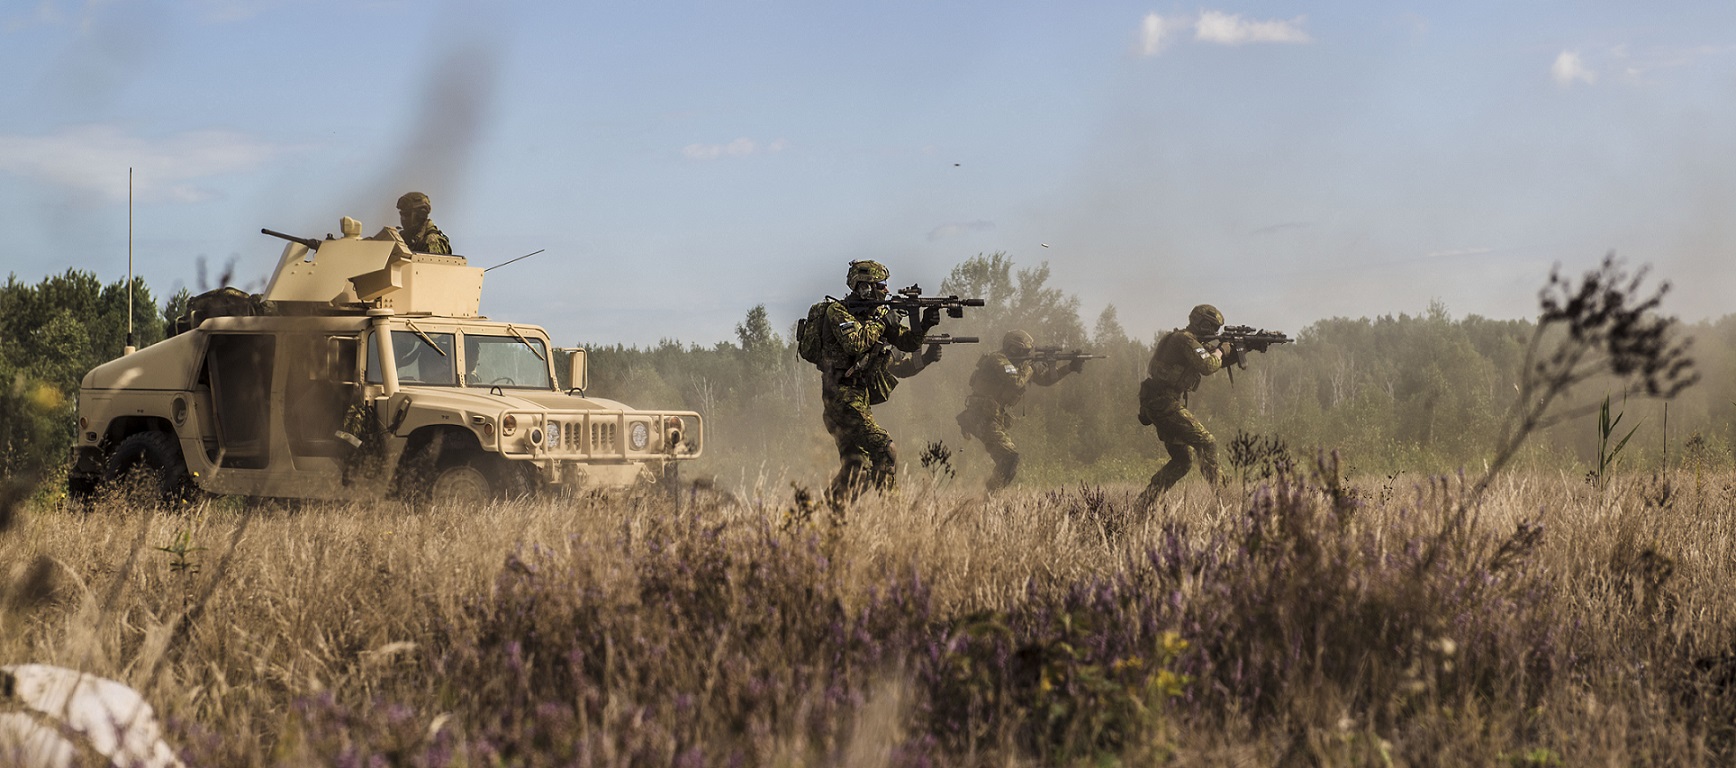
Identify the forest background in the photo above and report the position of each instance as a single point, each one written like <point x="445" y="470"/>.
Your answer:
<point x="1424" y="392"/>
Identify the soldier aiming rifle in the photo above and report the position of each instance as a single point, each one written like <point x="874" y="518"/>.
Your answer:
<point x="854" y="341"/>
<point x="1181" y="358"/>
<point x="999" y="383"/>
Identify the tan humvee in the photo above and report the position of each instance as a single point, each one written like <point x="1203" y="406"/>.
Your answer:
<point x="364" y="369"/>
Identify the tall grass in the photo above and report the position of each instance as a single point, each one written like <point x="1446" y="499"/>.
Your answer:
<point x="1309" y="620"/>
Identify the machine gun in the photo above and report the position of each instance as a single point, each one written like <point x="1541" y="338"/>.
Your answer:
<point x="1237" y="340"/>
<point x="312" y="244"/>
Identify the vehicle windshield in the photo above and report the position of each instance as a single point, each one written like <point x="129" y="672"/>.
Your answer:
<point x="418" y="363"/>
<point x="506" y="361"/>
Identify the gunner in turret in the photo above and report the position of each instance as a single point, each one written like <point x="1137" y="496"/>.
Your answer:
<point x="418" y="230"/>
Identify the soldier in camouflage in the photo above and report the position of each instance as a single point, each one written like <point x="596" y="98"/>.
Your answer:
<point x="1176" y="367"/>
<point x="418" y="230"/>
<point x="998" y="384"/>
<point x="855" y="375"/>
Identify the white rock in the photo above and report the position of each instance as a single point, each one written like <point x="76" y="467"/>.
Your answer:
<point x="52" y="717"/>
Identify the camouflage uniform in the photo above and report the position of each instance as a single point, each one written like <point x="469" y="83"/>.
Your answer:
<point x="1176" y="367"/>
<point x="997" y="385"/>
<point x="419" y="231"/>
<point x="855" y="375"/>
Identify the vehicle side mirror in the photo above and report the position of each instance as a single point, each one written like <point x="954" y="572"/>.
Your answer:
<point x="578" y="375"/>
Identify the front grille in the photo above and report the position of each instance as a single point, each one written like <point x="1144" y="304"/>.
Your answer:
<point x="603" y="439"/>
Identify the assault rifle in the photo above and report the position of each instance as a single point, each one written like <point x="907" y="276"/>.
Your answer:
<point x="1237" y="340"/>
<point x="911" y="302"/>
<point x="881" y="350"/>
<point x="1057" y="355"/>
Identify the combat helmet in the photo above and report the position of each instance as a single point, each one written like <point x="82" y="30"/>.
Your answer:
<point x="1017" y="343"/>
<point x="866" y="271"/>
<point x="1205" y="318"/>
<point x="413" y="200"/>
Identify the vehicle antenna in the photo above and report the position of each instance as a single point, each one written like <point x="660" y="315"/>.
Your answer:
<point x="521" y="258"/>
<point x="129" y="348"/>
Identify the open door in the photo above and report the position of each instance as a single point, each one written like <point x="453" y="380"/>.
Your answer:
<point x="322" y="390"/>
<point x="238" y="369"/>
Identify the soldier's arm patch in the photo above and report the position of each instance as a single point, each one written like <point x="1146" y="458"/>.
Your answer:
<point x="1011" y="371"/>
<point x="1201" y="351"/>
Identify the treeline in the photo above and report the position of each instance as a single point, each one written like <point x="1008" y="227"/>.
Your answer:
<point x="51" y="333"/>
<point x="1422" y="392"/>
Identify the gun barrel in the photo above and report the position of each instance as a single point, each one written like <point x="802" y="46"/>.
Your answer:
<point x="312" y="244"/>
<point x="947" y="338"/>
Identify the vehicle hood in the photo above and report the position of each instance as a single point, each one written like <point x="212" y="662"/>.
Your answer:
<point x="482" y="400"/>
<point x="169" y="364"/>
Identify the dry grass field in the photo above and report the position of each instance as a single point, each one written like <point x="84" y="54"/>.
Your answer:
<point x="1299" y="620"/>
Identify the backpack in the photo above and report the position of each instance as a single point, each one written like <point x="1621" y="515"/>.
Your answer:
<point x="808" y="330"/>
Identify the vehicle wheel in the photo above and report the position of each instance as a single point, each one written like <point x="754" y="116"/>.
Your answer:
<point x="461" y="483"/>
<point x="154" y="457"/>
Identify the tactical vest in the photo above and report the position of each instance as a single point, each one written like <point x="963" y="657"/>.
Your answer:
<point x="1172" y="367"/>
<point x="1000" y="379"/>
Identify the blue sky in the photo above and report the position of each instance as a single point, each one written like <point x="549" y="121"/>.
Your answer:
<point x="681" y="162"/>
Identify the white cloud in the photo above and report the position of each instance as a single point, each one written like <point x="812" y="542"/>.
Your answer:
<point x="741" y="147"/>
<point x="94" y="159"/>
<point x="1231" y="29"/>
<point x="1569" y="69"/>
<point x="1155" y="32"/>
<point x="959" y="228"/>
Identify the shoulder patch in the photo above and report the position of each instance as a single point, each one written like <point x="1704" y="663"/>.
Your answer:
<point x="1201" y="351"/>
<point x="1011" y="370"/>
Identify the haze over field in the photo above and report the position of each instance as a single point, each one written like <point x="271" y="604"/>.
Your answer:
<point x="1285" y="161"/>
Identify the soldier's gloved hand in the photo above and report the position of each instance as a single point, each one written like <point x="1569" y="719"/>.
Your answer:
<point x="932" y="354"/>
<point x="1077" y="366"/>
<point x="930" y="317"/>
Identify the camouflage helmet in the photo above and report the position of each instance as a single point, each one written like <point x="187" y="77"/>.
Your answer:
<point x="1017" y="343"/>
<point x="412" y="200"/>
<point x="866" y="271"/>
<point x="1205" y="316"/>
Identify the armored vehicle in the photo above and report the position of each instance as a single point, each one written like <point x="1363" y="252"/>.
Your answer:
<point x="363" y="369"/>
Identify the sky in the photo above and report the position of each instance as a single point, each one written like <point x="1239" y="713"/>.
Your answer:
<point x="681" y="162"/>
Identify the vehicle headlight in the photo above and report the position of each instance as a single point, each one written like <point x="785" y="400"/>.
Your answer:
<point x="639" y="435"/>
<point x="509" y="424"/>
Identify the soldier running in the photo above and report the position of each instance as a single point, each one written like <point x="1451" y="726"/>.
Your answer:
<point x="855" y="376"/>
<point x="1176" y="367"/>
<point x="998" y="384"/>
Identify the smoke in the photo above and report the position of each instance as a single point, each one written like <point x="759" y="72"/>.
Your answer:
<point x="445" y="129"/>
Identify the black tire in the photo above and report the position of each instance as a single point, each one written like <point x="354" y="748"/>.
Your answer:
<point x="476" y="478"/>
<point x="157" y="456"/>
